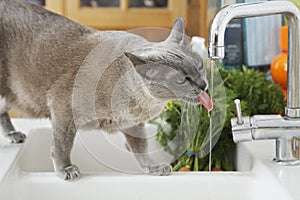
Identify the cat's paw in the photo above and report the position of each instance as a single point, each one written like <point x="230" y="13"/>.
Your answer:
<point x="69" y="173"/>
<point x="160" y="170"/>
<point x="16" y="137"/>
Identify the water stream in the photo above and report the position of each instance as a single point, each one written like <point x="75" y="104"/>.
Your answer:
<point x="211" y="89"/>
<point x="212" y="66"/>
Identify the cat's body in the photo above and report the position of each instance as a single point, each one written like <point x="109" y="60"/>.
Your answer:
<point x="51" y="67"/>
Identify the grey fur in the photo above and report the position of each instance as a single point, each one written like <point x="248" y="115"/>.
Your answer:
<point x="43" y="54"/>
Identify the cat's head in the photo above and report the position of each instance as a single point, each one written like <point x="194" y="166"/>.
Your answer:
<point x="170" y="69"/>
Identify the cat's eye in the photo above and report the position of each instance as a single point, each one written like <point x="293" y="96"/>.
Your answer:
<point x="181" y="81"/>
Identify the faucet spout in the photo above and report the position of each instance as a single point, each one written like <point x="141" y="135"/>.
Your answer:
<point x="244" y="10"/>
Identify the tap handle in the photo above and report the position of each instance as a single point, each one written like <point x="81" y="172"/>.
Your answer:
<point x="238" y="108"/>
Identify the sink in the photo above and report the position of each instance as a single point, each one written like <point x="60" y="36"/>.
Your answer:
<point x="26" y="172"/>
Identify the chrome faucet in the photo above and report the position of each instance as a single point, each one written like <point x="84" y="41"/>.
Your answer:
<point x="285" y="130"/>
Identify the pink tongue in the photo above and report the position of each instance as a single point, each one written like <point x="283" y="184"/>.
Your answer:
<point x="206" y="101"/>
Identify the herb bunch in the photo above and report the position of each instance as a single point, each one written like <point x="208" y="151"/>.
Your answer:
<point x="257" y="95"/>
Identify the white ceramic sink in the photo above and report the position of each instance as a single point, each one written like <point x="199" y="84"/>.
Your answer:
<point x="26" y="173"/>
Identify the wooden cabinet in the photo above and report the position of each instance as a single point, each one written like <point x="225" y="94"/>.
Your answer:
<point x="122" y="17"/>
<point x="57" y="6"/>
<point x="125" y="17"/>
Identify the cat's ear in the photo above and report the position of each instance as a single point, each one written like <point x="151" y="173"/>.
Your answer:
<point x="177" y="33"/>
<point x="149" y="71"/>
<point x="142" y="67"/>
<point x="136" y="60"/>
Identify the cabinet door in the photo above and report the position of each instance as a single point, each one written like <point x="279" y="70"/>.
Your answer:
<point x="123" y="15"/>
<point x="57" y="6"/>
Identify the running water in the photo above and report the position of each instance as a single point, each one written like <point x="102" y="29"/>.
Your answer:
<point x="211" y="90"/>
<point x="212" y="67"/>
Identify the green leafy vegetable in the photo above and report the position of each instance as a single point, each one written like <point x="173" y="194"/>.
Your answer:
<point x="257" y="95"/>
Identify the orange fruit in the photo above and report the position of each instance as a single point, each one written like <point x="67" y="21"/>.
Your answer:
<point x="283" y="90"/>
<point x="279" y="69"/>
<point x="284" y="32"/>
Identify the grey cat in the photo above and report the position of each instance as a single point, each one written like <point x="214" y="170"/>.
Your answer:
<point x="81" y="78"/>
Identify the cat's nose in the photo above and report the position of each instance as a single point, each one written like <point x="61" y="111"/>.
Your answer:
<point x="203" y="85"/>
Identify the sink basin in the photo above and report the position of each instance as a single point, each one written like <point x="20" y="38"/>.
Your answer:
<point x="111" y="172"/>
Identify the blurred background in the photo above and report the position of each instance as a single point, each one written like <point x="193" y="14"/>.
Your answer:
<point x="130" y="14"/>
<point x="251" y="42"/>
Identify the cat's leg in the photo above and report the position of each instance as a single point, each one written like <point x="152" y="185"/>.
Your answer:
<point x="6" y="127"/>
<point x="137" y="142"/>
<point x="64" y="132"/>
